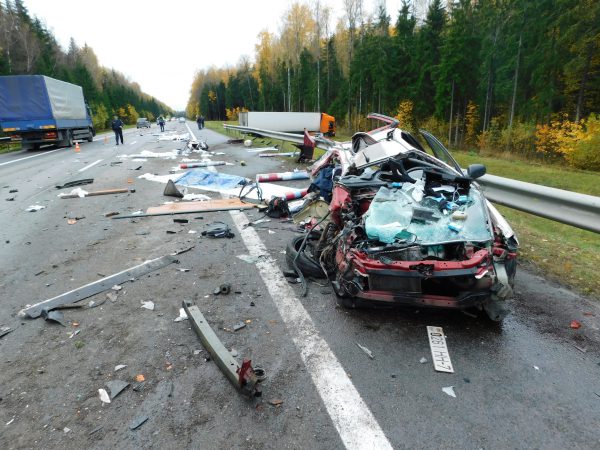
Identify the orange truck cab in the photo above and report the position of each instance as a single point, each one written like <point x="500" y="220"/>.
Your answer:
<point x="327" y="125"/>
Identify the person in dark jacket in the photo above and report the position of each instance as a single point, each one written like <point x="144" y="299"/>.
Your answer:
<point x="117" y="126"/>
<point x="199" y="122"/>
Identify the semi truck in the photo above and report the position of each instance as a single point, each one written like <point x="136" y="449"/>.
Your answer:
<point x="289" y="122"/>
<point x="38" y="110"/>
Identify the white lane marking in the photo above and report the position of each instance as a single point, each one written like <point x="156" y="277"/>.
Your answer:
<point x="350" y="415"/>
<point x="32" y="156"/>
<point x="89" y="165"/>
<point x="134" y="142"/>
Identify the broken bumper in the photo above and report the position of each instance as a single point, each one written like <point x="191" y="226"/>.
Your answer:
<point x="442" y="284"/>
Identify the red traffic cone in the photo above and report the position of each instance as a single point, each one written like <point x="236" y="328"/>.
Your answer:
<point x="77" y="150"/>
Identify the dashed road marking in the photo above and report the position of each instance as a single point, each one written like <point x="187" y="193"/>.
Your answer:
<point x="83" y="169"/>
<point x="27" y="157"/>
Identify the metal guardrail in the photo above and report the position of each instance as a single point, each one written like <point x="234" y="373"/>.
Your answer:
<point x="571" y="208"/>
<point x="320" y="141"/>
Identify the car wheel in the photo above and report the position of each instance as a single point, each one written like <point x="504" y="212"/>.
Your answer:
<point x="305" y="262"/>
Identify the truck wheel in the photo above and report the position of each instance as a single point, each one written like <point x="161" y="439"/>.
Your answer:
<point x="69" y="140"/>
<point x="90" y="137"/>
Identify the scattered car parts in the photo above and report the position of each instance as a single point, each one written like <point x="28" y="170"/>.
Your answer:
<point x="241" y="376"/>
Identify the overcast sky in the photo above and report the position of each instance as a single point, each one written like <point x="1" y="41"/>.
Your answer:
<point x="160" y="44"/>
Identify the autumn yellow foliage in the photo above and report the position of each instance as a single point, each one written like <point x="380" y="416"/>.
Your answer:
<point x="406" y="116"/>
<point x="559" y="137"/>
<point x="234" y="113"/>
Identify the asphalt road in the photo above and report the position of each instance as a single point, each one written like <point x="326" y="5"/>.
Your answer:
<point x="531" y="382"/>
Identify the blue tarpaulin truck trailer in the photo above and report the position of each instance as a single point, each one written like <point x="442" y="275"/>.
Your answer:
<point x="39" y="110"/>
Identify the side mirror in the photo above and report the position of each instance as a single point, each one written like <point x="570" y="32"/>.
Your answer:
<point x="476" y="171"/>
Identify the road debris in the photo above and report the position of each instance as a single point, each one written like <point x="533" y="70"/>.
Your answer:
<point x="423" y="360"/>
<point x="183" y="270"/>
<point x="116" y="387"/>
<point x="181" y="220"/>
<point x="149" y="305"/>
<point x="241" y="376"/>
<point x="239" y="326"/>
<point x="95" y="430"/>
<point x="250" y="259"/>
<point x="202" y="164"/>
<point x="34" y="208"/>
<point x="439" y="350"/>
<point x="368" y="352"/>
<point x="449" y="390"/>
<point x="190" y="197"/>
<point x="80" y="193"/>
<point x="110" y="214"/>
<point x="76" y="183"/>
<point x="575" y="324"/>
<point x="230" y="204"/>
<point x="139" y="378"/>
<point x="138" y="422"/>
<point x="12" y="191"/>
<point x="171" y="190"/>
<point x="104" y="398"/>
<point x="283" y="176"/>
<point x="53" y="316"/>
<point x="276" y="402"/>
<point x="98" y="286"/>
<point x="4" y="331"/>
<point x="182" y="316"/>
<point x="218" y="230"/>
<point x="94" y="303"/>
<point x="119" y="367"/>
<point x="536" y="368"/>
<point x="111" y="296"/>
<point x="74" y="333"/>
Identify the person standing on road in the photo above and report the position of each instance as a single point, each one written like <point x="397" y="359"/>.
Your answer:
<point x="161" y="122"/>
<point x="117" y="127"/>
<point x="199" y="122"/>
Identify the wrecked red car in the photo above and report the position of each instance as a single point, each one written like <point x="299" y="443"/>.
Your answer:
<point x="405" y="225"/>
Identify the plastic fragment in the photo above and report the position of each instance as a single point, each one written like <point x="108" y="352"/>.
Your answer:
<point x="575" y="324"/>
<point x="104" y="398"/>
<point x="423" y="360"/>
<point x="449" y="390"/>
<point x="368" y="352"/>
<point x="119" y="367"/>
<point x="149" y="305"/>
<point x="138" y="422"/>
<point x="182" y="316"/>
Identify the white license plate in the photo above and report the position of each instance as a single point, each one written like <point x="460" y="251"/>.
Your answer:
<point x="439" y="350"/>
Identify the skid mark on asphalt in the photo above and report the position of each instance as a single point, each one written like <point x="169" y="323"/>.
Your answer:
<point x="350" y="415"/>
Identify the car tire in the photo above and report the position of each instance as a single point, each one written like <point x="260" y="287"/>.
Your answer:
<point x="306" y="264"/>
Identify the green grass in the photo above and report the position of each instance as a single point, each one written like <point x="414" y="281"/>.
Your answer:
<point x="9" y="147"/>
<point x="560" y="252"/>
